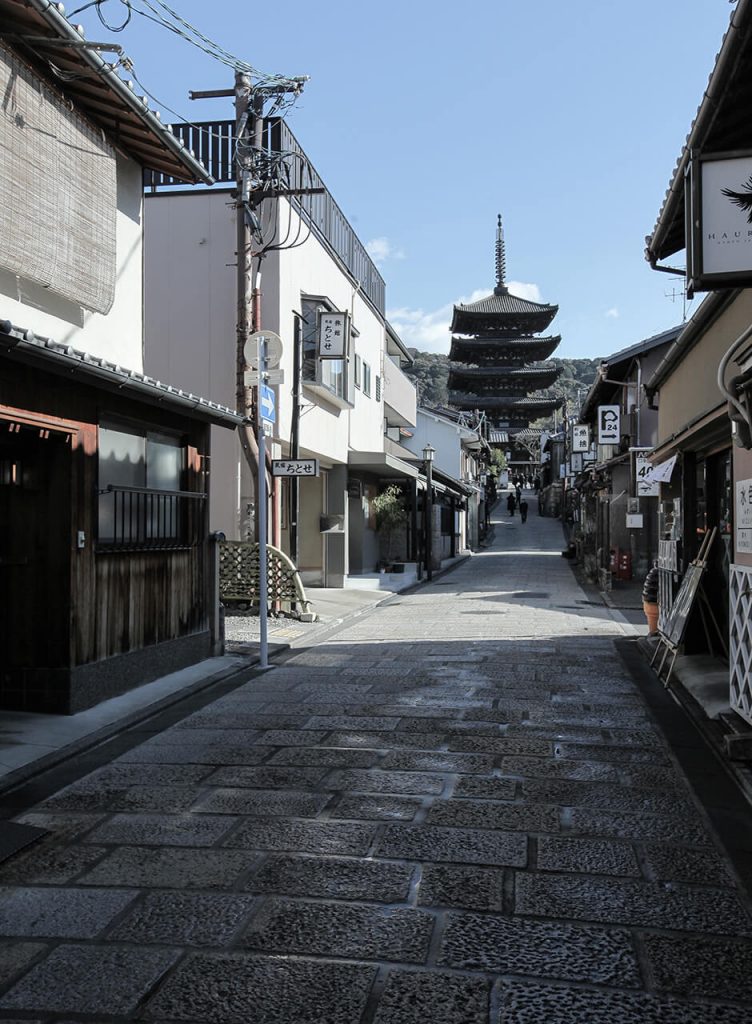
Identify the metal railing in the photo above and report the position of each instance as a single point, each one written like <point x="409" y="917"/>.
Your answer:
<point x="213" y="142"/>
<point x="144" y="518"/>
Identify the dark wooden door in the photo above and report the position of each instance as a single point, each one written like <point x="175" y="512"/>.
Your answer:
<point x="35" y="494"/>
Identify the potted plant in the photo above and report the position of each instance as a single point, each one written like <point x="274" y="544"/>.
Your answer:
<point x="650" y="600"/>
<point x="390" y="515"/>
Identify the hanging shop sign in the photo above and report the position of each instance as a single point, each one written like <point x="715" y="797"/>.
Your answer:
<point x="580" y="437"/>
<point x="609" y="424"/>
<point x="718" y="213"/>
<point x="743" y="519"/>
<point x="646" y="485"/>
<point x="333" y="335"/>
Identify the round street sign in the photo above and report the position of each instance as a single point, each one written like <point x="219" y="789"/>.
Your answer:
<point x="273" y="349"/>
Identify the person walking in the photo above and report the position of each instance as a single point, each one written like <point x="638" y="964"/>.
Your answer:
<point x="511" y="503"/>
<point x="523" y="510"/>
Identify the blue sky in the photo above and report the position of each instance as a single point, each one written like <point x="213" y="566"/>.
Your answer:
<point x="426" y="119"/>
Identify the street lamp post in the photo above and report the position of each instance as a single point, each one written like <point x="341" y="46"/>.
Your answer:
<point x="428" y="453"/>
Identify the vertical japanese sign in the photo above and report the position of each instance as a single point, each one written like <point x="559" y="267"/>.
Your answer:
<point x="609" y="424"/>
<point x="334" y="335"/>
<point x="580" y="437"/>
<point x="744" y="517"/>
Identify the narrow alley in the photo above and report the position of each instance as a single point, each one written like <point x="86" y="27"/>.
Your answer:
<point x="459" y="807"/>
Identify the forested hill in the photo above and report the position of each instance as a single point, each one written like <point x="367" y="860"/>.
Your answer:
<point x="430" y="370"/>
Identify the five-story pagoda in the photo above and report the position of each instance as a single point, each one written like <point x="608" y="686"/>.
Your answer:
<point x="497" y="357"/>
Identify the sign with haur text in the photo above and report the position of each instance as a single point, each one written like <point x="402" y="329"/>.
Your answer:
<point x="580" y="437"/>
<point x="334" y="335"/>
<point x="744" y="517"/>
<point x="295" y="467"/>
<point x="724" y="225"/>
<point x="645" y="485"/>
<point x="609" y="424"/>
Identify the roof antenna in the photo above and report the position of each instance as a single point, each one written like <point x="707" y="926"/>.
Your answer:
<point x="501" y="260"/>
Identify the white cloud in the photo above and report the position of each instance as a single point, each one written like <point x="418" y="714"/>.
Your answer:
<point x="429" y="331"/>
<point x="381" y="249"/>
<point x="613" y="313"/>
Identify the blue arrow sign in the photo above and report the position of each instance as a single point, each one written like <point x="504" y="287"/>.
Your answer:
<point x="268" y="406"/>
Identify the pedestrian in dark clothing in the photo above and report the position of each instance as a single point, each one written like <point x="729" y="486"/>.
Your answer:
<point x="511" y="502"/>
<point x="518" y="493"/>
<point x="523" y="510"/>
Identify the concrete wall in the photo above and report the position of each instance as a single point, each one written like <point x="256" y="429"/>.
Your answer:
<point x="190" y="304"/>
<point x="116" y="336"/>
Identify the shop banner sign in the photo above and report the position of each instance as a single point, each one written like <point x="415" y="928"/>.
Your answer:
<point x="580" y="437"/>
<point x="744" y="517"/>
<point x="609" y="424"/>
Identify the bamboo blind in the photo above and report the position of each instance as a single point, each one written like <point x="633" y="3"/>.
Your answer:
<point x="58" y="192"/>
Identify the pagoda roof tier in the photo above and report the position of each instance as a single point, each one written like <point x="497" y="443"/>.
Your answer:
<point x="502" y="311"/>
<point x="519" y="379"/>
<point x="531" y="408"/>
<point x="508" y="348"/>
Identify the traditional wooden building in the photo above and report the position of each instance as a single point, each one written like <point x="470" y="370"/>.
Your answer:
<point x="498" y="358"/>
<point x="105" y="578"/>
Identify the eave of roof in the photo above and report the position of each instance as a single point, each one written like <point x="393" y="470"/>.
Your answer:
<point x="95" y="88"/>
<point x="618" y="364"/>
<point x="718" y="126"/>
<point x="55" y="357"/>
<point x="708" y="311"/>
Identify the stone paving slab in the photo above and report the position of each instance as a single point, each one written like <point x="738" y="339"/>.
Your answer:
<point x="170" y="868"/>
<point x="333" y="878"/>
<point x="515" y="946"/>
<point x="60" y="913"/>
<point x="89" y="980"/>
<point x="349" y="930"/>
<point x="412" y="997"/>
<point x="528" y="1003"/>
<point x="238" y="989"/>
<point x="629" y="902"/>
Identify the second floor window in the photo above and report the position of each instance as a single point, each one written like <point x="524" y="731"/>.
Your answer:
<point x="329" y="372"/>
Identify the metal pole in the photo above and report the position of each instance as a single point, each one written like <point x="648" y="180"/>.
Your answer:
<point x="295" y="438"/>
<point x="429" y="508"/>
<point x="261" y="515"/>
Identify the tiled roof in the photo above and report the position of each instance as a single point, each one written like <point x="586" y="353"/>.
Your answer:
<point x="504" y="302"/>
<point x="41" y="33"/>
<point x="57" y="357"/>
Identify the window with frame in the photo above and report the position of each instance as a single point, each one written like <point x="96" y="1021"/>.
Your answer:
<point x="329" y="372"/>
<point x="358" y="371"/>
<point x="366" y="379"/>
<point x="141" y="503"/>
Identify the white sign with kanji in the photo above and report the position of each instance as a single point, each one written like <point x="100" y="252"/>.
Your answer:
<point x="744" y="516"/>
<point x="580" y="437"/>
<point x="334" y="330"/>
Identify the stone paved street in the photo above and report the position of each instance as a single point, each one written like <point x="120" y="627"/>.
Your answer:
<point x="458" y="809"/>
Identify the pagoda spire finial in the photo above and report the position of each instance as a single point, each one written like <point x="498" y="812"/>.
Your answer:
<point x="501" y="260"/>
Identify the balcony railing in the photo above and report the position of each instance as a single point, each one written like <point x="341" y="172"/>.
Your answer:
<point x="213" y="142"/>
<point x="143" y="518"/>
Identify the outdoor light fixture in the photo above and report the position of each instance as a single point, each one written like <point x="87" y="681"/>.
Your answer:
<point x="428" y="452"/>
